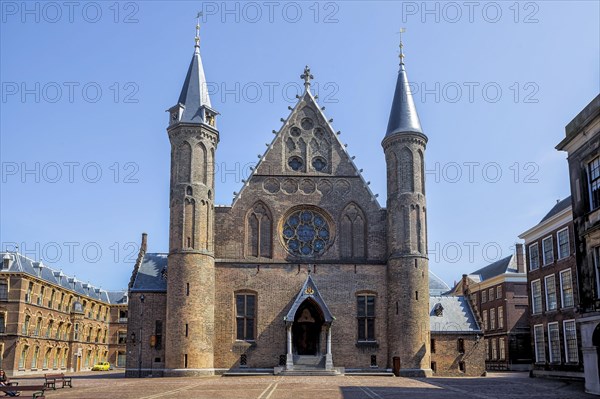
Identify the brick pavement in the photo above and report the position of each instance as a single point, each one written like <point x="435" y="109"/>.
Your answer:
<point x="497" y="385"/>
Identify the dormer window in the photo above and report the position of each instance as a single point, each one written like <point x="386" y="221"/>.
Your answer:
<point x="438" y="310"/>
<point x="210" y="119"/>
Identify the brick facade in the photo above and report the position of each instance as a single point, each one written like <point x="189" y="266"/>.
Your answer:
<point x="52" y="321"/>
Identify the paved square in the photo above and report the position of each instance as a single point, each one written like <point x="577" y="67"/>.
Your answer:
<point x="497" y="385"/>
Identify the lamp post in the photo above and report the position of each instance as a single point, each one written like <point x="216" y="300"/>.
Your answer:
<point x="141" y="339"/>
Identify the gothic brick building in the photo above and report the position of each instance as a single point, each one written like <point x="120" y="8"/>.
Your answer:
<point x="304" y="270"/>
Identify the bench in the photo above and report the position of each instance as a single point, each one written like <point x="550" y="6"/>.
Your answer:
<point x="37" y="391"/>
<point x="52" y="379"/>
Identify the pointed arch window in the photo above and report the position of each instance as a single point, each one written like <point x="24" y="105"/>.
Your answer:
<point x="189" y="224"/>
<point x="184" y="166"/>
<point x="260" y="231"/>
<point x="353" y="236"/>
<point x="200" y="167"/>
<point x="406" y="171"/>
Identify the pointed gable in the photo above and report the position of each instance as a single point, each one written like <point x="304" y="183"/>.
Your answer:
<point x="309" y="291"/>
<point x="306" y="146"/>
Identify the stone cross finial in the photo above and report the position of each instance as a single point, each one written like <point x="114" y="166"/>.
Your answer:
<point x="307" y="77"/>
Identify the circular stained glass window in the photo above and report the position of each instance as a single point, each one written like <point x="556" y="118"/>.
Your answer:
<point x="295" y="163"/>
<point x="306" y="232"/>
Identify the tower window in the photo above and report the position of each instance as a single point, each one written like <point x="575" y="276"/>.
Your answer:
<point x="432" y="345"/>
<point x="185" y="361"/>
<point x="461" y="345"/>
<point x="186" y="329"/>
<point x="366" y="317"/>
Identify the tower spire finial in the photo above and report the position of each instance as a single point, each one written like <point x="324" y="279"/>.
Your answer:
<point x="307" y="77"/>
<point x="197" y="39"/>
<point x="402" y="30"/>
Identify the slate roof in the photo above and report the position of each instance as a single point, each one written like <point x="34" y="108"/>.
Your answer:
<point x="456" y="316"/>
<point x="559" y="207"/>
<point x="22" y="264"/>
<point x="310" y="291"/>
<point x="151" y="275"/>
<point x="403" y="115"/>
<point x="504" y="265"/>
<point x="194" y="93"/>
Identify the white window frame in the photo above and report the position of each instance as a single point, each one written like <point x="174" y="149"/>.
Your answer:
<point x="499" y="292"/>
<point x="492" y="318"/>
<point x="562" y="290"/>
<point x="539" y="345"/>
<point x="591" y="182"/>
<point x="552" y="360"/>
<point x="534" y="309"/>
<point x="560" y="255"/>
<point x="537" y="249"/>
<point x="547" y="291"/>
<point x="500" y="317"/>
<point x="483" y="296"/>
<point x="569" y="358"/>
<point x="502" y="348"/>
<point x="494" y="342"/>
<point x="596" y="260"/>
<point x="545" y="261"/>
<point x="486" y="320"/>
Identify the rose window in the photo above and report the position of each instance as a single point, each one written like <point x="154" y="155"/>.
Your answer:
<point x="306" y="232"/>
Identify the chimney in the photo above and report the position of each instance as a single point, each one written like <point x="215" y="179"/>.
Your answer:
<point x="144" y="241"/>
<point x="520" y="260"/>
<point x="465" y="285"/>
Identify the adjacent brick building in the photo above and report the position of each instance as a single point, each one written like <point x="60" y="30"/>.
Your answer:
<point x="51" y="321"/>
<point x="498" y="293"/>
<point x="553" y="294"/>
<point x="582" y="143"/>
<point x="305" y="270"/>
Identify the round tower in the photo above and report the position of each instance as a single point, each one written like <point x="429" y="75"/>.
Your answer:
<point x="407" y="265"/>
<point x="191" y="266"/>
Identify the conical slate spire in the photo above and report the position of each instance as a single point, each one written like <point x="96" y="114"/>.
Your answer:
<point x="194" y="93"/>
<point x="403" y="116"/>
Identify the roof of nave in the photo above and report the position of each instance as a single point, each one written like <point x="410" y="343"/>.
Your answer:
<point x="451" y="315"/>
<point x="21" y="264"/>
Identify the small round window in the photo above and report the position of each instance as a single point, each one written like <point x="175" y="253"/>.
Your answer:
<point x="295" y="132"/>
<point x="319" y="164"/>
<point x="295" y="163"/>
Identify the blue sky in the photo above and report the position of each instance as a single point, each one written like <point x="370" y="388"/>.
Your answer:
<point x="85" y="154"/>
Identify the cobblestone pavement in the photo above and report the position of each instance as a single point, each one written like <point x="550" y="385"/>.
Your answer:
<point x="497" y="385"/>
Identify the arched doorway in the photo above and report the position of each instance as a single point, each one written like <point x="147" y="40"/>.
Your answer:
<point x="306" y="330"/>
